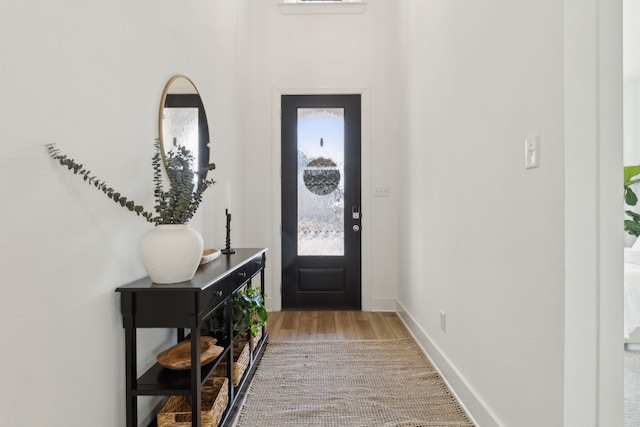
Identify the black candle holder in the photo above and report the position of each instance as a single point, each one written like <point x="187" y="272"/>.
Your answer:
<point x="227" y="250"/>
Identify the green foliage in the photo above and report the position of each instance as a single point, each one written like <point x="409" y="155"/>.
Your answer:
<point x="630" y="197"/>
<point x="214" y="324"/>
<point x="179" y="204"/>
<point x="631" y="226"/>
<point x="175" y="206"/>
<point x="249" y="314"/>
<point x="250" y="303"/>
<point x="629" y="173"/>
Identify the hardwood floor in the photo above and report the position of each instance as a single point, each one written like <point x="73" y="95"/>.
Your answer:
<point x="334" y="325"/>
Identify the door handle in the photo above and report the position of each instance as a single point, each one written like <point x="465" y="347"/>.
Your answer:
<point x="356" y="228"/>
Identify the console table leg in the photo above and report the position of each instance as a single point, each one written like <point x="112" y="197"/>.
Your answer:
<point x="131" y="374"/>
<point x="228" y="316"/>
<point x="196" y="378"/>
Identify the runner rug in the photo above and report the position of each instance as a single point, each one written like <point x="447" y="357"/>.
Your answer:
<point x="377" y="383"/>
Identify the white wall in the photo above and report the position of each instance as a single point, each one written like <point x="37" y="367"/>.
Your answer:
<point x="322" y="53"/>
<point x="88" y="76"/>
<point x="631" y="73"/>
<point x="482" y="237"/>
<point x="631" y="93"/>
<point x="631" y="37"/>
<point x="632" y="120"/>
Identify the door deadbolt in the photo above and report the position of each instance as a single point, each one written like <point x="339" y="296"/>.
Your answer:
<point x="356" y="228"/>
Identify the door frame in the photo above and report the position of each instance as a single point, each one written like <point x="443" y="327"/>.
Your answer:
<point x="274" y="300"/>
<point x="593" y="339"/>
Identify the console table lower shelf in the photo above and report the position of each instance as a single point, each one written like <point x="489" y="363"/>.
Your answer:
<point x="235" y="406"/>
<point x="217" y="408"/>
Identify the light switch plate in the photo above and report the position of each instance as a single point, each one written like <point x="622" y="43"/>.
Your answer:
<point x="532" y="151"/>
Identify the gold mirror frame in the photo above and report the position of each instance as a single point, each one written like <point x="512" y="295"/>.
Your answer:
<point x="175" y="86"/>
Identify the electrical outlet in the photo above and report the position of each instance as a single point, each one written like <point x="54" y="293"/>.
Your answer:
<point x="443" y="321"/>
<point x="381" y="192"/>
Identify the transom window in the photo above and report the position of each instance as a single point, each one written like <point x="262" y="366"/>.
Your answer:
<point x="322" y="1"/>
<point x="305" y="7"/>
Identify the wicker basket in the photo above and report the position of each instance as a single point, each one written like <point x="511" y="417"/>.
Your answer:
<point x="215" y="398"/>
<point x="256" y="339"/>
<point x="241" y="358"/>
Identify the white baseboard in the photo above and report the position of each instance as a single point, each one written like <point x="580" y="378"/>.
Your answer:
<point x="388" y="305"/>
<point x="272" y="304"/>
<point x="480" y="413"/>
<point x="383" y="305"/>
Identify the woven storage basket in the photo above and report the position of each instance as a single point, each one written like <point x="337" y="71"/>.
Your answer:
<point x="241" y="357"/>
<point x="215" y="398"/>
<point x="256" y="339"/>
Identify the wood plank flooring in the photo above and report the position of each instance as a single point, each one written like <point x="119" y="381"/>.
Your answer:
<point x="334" y="325"/>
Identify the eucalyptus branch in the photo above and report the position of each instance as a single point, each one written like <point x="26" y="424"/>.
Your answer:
<point x="180" y="203"/>
<point x="175" y="206"/>
<point x="78" y="169"/>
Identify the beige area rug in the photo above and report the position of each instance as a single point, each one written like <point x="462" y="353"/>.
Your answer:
<point x="378" y="383"/>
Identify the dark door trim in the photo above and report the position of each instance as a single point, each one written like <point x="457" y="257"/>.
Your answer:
<point x="316" y="281"/>
<point x="274" y="299"/>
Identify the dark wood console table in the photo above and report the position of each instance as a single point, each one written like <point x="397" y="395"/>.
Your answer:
<point x="186" y="305"/>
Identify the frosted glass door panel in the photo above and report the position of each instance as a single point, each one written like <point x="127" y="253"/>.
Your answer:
<point x="320" y="181"/>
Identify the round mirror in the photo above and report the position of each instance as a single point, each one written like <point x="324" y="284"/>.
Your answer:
<point x="183" y="122"/>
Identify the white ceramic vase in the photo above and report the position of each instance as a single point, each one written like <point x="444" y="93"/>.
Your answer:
<point x="171" y="252"/>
